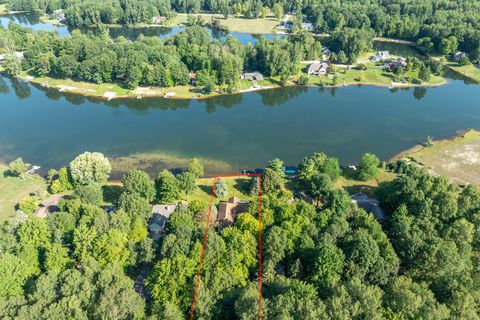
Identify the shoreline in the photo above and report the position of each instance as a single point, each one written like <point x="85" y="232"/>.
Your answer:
<point x="419" y="147"/>
<point x="170" y="93"/>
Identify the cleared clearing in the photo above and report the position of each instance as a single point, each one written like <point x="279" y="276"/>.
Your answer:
<point x="458" y="158"/>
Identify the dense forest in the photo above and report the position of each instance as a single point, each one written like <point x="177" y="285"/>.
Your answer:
<point x="326" y="260"/>
<point x="436" y="24"/>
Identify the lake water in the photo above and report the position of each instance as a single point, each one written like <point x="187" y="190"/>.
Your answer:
<point x="49" y="128"/>
<point x="32" y="21"/>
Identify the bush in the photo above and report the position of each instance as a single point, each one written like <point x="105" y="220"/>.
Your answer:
<point x="17" y="167"/>
<point x="28" y="204"/>
<point x="303" y="80"/>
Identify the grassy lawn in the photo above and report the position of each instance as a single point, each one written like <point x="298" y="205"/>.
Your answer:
<point x="3" y="8"/>
<point x="352" y="184"/>
<point x="237" y="186"/>
<point x="458" y="159"/>
<point x="469" y="71"/>
<point x="372" y="75"/>
<point x="13" y="189"/>
<point x="232" y="24"/>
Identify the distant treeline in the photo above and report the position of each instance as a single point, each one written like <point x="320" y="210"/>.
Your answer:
<point x="436" y="25"/>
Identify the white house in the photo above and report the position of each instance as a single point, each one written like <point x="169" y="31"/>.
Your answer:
<point x="380" y="55"/>
<point x="318" y="68"/>
<point x="307" y="26"/>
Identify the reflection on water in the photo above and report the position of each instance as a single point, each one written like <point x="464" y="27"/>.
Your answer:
<point x="32" y="20"/>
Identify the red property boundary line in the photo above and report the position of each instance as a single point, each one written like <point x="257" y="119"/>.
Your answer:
<point x="212" y="197"/>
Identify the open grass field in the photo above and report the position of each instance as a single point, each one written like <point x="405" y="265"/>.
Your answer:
<point x="232" y="24"/>
<point x="458" y="158"/>
<point x="13" y="189"/>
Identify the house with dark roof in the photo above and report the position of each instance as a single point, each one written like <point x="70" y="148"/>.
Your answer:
<point x="369" y="205"/>
<point x="229" y="210"/>
<point x="459" y="55"/>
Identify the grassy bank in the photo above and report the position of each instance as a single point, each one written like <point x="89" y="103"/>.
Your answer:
<point x="353" y="76"/>
<point x="469" y="71"/>
<point x="457" y="158"/>
<point x="13" y="189"/>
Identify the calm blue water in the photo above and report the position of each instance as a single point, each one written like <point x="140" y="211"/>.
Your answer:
<point x="32" y="21"/>
<point x="49" y="128"/>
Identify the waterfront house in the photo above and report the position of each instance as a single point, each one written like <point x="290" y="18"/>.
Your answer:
<point x="380" y="56"/>
<point x="392" y="65"/>
<point x="307" y="26"/>
<point x="59" y="15"/>
<point x="285" y="24"/>
<point x="459" y="55"/>
<point x="318" y="68"/>
<point x="229" y="210"/>
<point x="160" y="215"/>
<point x="159" y="19"/>
<point x="369" y="205"/>
<point x="253" y="76"/>
<point x="193" y="77"/>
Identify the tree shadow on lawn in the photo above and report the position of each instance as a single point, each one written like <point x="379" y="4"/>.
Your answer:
<point x="111" y="193"/>
<point x="243" y="185"/>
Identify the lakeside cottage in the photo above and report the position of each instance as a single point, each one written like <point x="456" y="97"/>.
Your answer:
<point x="159" y="219"/>
<point x="59" y="15"/>
<point x="159" y="19"/>
<point x="459" y="55"/>
<point x="254" y="76"/>
<point x="392" y="65"/>
<point x="380" y="55"/>
<point x="229" y="210"/>
<point x="285" y="24"/>
<point x="318" y="69"/>
<point x="307" y="26"/>
<point x="370" y="205"/>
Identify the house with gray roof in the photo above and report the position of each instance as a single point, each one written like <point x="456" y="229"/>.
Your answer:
<point x="318" y="68"/>
<point x="369" y="205"/>
<point x="160" y="215"/>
